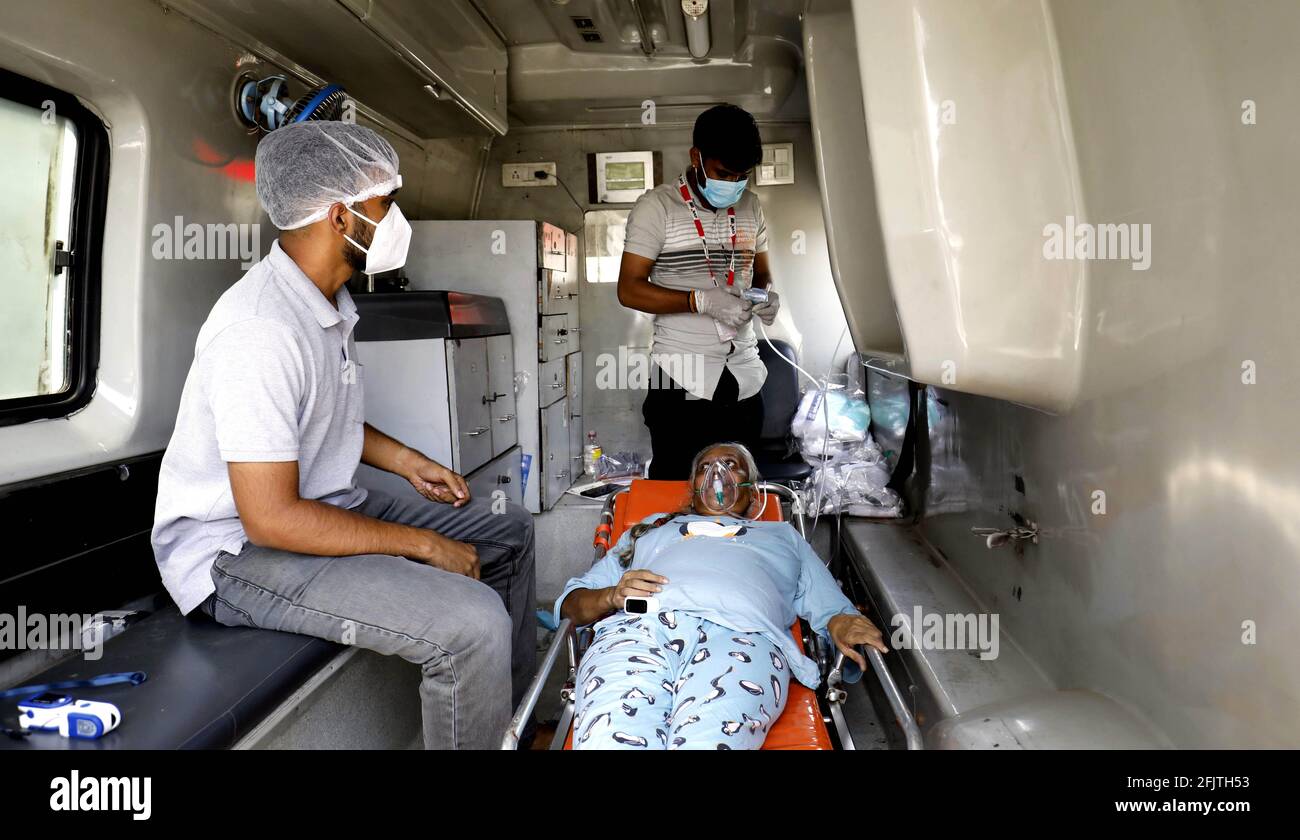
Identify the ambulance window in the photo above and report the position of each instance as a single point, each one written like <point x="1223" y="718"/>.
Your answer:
<point x="51" y="163"/>
<point x="603" y="233"/>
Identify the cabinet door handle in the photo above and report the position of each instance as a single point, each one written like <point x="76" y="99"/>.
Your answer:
<point x="506" y="419"/>
<point x="555" y="386"/>
<point x="479" y="431"/>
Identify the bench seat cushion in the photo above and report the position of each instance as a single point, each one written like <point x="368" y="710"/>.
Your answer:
<point x="207" y="685"/>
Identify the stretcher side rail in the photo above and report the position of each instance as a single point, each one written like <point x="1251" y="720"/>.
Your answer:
<point x="565" y="637"/>
<point x="836" y="696"/>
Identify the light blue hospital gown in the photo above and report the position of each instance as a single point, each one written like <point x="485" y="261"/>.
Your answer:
<point x="711" y="669"/>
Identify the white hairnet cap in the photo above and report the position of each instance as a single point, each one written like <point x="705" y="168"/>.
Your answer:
<point x="304" y="168"/>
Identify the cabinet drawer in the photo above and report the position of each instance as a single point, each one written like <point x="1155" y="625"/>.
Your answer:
<point x="551" y="381"/>
<point x="555" y="293"/>
<point x="557" y="469"/>
<point x="555" y="338"/>
<point x="551" y="245"/>
<point x="501" y="393"/>
<point x="471" y="441"/>
<point x="573" y="381"/>
<point x="501" y="473"/>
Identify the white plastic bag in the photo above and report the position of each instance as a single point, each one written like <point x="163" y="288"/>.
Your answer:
<point x="857" y="488"/>
<point x="832" y="425"/>
<point x="845" y="414"/>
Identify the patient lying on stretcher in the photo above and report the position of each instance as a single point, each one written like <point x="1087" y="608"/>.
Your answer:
<point x="708" y="667"/>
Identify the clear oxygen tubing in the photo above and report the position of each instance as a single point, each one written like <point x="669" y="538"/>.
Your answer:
<point x="824" y="385"/>
<point x="759" y="515"/>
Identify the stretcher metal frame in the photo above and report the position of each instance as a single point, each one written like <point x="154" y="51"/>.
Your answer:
<point x="570" y="638"/>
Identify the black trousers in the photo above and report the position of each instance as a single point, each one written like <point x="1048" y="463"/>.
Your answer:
<point x="681" y="427"/>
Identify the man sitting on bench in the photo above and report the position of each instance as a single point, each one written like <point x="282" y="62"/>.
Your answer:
<point x="259" y="521"/>
<point x="707" y="663"/>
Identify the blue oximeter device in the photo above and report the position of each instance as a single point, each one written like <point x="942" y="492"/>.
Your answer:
<point x="54" y="712"/>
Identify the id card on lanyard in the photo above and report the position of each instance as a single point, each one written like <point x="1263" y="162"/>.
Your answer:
<point x="725" y="333"/>
<point x="699" y="230"/>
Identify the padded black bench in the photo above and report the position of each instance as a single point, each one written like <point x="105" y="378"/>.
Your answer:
<point x="207" y="685"/>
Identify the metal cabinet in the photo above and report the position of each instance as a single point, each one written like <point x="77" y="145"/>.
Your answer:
<point x="501" y="474"/>
<point x="551" y="381"/>
<point x="553" y="338"/>
<point x="559" y="336"/>
<point x="557" y="468"/>
<point x="555" y="294"/>
<point x="572" y="276"/>
<point x="471" y="423"/>
<point x="442" y="381"/>
<point x="501" y="393"/>
<point x="540" y="286"/>
<point x="558" y="289"/>
<point x="551" y="246"/>
<point x="573" y="392"/>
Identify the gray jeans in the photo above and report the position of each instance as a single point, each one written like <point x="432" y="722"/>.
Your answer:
<point x="474" y="641"/>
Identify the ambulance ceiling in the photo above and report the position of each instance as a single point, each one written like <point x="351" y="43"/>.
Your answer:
<point x="595" y="62"/>
<point x="477" y="67"/>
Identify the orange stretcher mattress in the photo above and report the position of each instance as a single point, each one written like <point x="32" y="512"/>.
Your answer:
<point x="800" y="726"/>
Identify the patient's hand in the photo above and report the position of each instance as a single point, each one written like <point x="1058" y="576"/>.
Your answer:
<point x="848" y="631"/>
<point x="638" y="583"/>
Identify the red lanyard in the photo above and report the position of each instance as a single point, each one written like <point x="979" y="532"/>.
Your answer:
<point x="699" y="229"/>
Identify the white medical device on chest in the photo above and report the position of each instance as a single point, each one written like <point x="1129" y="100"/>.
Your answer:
<point x="638" y="605"/>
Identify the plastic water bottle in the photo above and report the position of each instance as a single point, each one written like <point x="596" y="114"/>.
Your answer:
<point x="591" y="456"/>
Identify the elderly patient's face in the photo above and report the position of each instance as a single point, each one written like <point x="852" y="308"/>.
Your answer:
<point x="704" y="499"/>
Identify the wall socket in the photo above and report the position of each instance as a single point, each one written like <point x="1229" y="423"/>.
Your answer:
<point x="525" y="175"/>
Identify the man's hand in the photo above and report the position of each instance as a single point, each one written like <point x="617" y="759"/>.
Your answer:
<point x="450" y="555"/>
<point x="433" y="481"/>
<point x="635" y="583"/>
<point x="848" y="631"/>
<point x="766" y="312"/>
<point x="430" y="479"/>
<point x="725" y="305"/>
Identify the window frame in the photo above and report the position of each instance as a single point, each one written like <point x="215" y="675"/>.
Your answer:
<point x="86" y="237"/>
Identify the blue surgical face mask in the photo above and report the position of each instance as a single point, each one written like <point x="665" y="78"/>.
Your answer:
<point x="720" y="193"/>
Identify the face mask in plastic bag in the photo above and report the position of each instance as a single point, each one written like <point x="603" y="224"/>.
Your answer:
<point x="858" y="489"/>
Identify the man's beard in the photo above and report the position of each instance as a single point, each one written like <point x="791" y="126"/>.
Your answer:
<point x="355" y="257"/>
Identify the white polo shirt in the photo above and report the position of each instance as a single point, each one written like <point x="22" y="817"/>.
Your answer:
<point x="661" y="228"/>
<point x="273" y="379"/>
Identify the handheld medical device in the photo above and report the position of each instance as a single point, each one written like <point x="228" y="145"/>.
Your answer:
<point x="83" y="719"/>
<point x="755" y="295"/>
<point x="639" y="605"/>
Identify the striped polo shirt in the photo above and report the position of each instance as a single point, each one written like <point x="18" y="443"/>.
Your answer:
<point x="660" y="228"/>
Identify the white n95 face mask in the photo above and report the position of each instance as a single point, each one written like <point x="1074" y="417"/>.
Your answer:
<point x="390" y="243"/>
